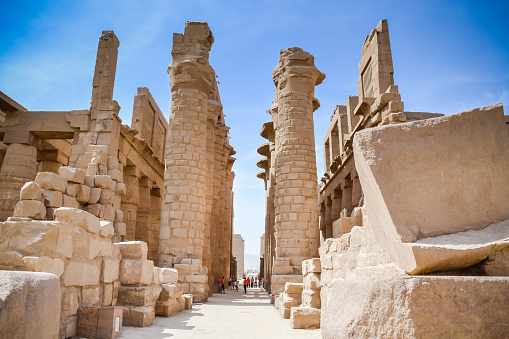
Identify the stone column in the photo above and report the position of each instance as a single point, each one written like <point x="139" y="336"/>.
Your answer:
<point x="296" y="208"/>
<point x="182" y="233"/>
<point x="130" y="201"/>
<point x="336" y="207"/>
<point x="328" y="218"/>
<point x="356" y="191"/>
<point x="347" y="197"/>
<point x="18" y="167"/>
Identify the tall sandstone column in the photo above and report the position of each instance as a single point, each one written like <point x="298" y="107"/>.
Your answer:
<point x="296" y="191"/>
<point x="182" y="233"/>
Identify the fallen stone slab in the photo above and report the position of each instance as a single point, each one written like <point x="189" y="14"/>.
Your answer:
<point x="418" y="307"/>
<point x="29" y="305"/>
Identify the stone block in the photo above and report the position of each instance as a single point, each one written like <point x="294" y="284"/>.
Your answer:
<point x="293" y="288"/>
<point x="116" y="175"/>
<point x="44" y="264"/>
<point x="51" y="181"/>
<point x="72" y="174"/>
<point x="107" y="229"/>
<point x="120" y="228"/>
<point x="170" y="275"/>
<point x="138" y="296"/>
<point x="90" y="296"/>
<point x="157" y="276"/>
<point x="95" y="209"/>
<point x="431" y="187"/>
<point x="29" y="305"/>
<point x="120" y="189"/>
<point x="168" y="292"/>
<point x="305" y="317"/>
<point x="31" y="191"/>
<point x="399" y="307"/>
<point x="89" y="180"/>
<point x="197" y="279"/>
<point x="30" y="209"/>
<point x="133" y="249"/>
<point x="53" y="199"/>
<point x="283" y="279"/>
<point x="100" y="322"/>
<point x="136" y="272"/>
<point x="69" y="201"/>
<point x="106" y="197"/>
<point x="79" y="218"/>
<point x="167" y="308"/>
<point x="312" y="281"/>
<point x="138" y="316"/>
<point x="109" y="212"/>
<point x="82" y="273"/>
<point x="311" y="298"/>
<point x="95" y="195"/>
<point x="188" y="301"/>
<point x="110" y="270"/>
<point x="109" y="324"/>
<point x="71" y="301"/>
<point x="105" y="181"/>
<point x="83" y="195"/>
<point x="72" y="189"/>
<point x="106" y="295"/>
<point x="13" y="261"/>
<point x="311" y="266"/>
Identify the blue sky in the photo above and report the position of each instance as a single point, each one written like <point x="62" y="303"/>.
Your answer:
<point x="448" y="56"/>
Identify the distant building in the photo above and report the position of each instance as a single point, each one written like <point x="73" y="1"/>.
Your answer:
<point x="238" y="253"/>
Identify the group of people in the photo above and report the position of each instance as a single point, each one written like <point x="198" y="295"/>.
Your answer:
<point x="233" y="284"/>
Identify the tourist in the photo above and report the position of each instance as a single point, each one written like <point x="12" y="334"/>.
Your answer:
<point x="248" y="282"/>
<point x="222" y="285"/>
<point x="236" y="285"/>
<point x="261" y="284"/>
<point x="245" y="284"/>
<point x="219" y="284"/>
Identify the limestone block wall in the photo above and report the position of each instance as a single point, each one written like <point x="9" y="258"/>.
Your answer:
<point x="93" y="271"/>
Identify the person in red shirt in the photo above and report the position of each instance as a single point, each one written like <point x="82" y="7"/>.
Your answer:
<point x="245" y="285"/>
<point x="222" y="285"/>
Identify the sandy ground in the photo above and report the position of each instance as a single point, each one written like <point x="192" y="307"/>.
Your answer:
<point x="231" y="315"/>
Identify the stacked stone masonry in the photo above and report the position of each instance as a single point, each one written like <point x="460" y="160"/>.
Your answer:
<point x="393" y="203"/>
<point x="196" y="227"/>
<point x="82" y="198"/>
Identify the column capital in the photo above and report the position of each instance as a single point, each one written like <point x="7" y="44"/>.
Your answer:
<point x="296" y="71"/>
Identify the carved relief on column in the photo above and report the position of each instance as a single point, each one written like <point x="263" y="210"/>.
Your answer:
<point x="130" y="201"/>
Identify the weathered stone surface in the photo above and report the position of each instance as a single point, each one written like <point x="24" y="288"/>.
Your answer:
<point x="12" y="261"/>
<point x="69" y="201"/>
<point x="31" y="191"/>
<point x="90" y="296"/>
<point x="442" y="150"/>
<point x="136" y="272"/>
<point x="188" y="299"/>
<point x="138" y="316"/>
<point x="474" y="307"/>
<point x="133" y="249"/>
<point x="83" y="195"/>
<point x="157" y="276"/>
<point x="37" y="238"/>
<point x="305" y="317"/>
<point x="53" y="199"/>
<point x="110" y="270"/>
<point x="311" y="266"/>
<point x="45" y="264"/>
<point x="293" y="288"/>
<point x="72" y="189"/>
<point x="82" y="273"/>
<point x="311" y="298"/>
<point x="51" y="181"/>
<point x="29" y="305"/>
<point x="79" y="218"/>
<point x="138" y="296"/>
<point x="30" y="209"/>
<point x="107" y="229"/>
<point x="109" y="324"/>
<point x="72" y="174"/>
<point x="95" y="195"/>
